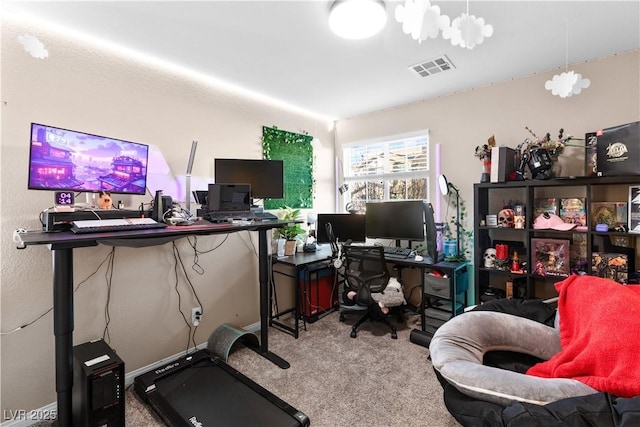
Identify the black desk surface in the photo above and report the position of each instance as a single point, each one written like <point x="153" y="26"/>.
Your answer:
<point x="70" y="239"/>
<point x="324" y="253"/>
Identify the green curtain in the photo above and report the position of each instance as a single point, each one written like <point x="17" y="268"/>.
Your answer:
<point x="297" y="153"/>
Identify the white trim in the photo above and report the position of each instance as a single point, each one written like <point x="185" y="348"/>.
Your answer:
<point x="388" y="138"/>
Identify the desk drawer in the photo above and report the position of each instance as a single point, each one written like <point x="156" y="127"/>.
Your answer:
<point x="440" y="286"/>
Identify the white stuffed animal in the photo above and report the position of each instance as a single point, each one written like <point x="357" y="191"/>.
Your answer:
<point x="392" y="296"/>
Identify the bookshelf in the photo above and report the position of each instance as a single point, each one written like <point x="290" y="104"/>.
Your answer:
<point x="490" y="198"/>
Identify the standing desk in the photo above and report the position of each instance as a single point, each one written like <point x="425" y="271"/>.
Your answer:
<point x="62" y="244"/>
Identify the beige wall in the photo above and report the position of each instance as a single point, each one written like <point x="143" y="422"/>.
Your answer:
<point x="461" y="121"/>
<point x="87" y="86"/>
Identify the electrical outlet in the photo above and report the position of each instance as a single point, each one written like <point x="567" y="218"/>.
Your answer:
<point x="196" y="315"/>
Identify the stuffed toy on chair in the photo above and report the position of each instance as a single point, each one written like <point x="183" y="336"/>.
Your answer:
<point x="392" y="296"/>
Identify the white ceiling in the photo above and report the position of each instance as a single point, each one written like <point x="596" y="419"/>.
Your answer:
<point x="285" y="50"/>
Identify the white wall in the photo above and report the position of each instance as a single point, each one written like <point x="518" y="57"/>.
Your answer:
<point x="87" y="86"/>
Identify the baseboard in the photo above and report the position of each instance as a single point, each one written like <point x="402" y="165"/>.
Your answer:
<point x="128" y="380"/>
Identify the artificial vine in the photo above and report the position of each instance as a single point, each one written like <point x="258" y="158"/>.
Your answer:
<point x="465" y="237"/>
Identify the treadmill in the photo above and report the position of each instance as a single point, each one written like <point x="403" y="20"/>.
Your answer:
<point x="200" y="389"/>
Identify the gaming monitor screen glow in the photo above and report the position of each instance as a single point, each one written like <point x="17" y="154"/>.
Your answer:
<point x="62" y="159"/>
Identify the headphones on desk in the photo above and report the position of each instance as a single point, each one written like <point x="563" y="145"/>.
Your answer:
<point x="337" y="263"/>
<point x="336" y="249"/>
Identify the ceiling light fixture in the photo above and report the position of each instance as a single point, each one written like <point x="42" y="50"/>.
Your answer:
<point x="357" y="19"/>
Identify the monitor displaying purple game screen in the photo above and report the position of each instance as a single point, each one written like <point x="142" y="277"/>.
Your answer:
<point x="62" y="159"/>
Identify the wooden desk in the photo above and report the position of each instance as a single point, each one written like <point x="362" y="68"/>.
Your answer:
<point x="62" y="244"/>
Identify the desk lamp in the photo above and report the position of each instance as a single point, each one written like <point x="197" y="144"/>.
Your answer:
<point x="192" y="157"/>
<point x="445" y="187"/>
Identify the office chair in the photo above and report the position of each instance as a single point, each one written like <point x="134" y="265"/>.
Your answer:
<point x="366" y="273"/>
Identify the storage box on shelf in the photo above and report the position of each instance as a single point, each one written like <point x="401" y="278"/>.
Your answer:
<point x="444" y="293"/>
<point x="583" y="242"/>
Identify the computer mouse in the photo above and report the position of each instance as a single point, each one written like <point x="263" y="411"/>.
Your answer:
<point x="418" y="258"/>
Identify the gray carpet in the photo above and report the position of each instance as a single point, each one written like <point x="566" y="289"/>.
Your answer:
<point x="338" y="381"/>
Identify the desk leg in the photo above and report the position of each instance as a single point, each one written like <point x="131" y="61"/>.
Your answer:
<point x="63" y="331"/>
<point x="263" y="268"/>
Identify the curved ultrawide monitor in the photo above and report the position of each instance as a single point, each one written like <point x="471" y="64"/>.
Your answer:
<point x="63" y="159"/>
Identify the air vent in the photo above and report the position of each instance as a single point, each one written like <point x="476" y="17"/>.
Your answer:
<point x="433" y="66"/>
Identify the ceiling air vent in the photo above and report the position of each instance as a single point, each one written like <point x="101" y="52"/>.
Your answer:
<point x="433" y="66"/>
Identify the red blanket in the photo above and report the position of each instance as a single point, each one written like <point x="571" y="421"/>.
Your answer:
<point x="599" y="334"/>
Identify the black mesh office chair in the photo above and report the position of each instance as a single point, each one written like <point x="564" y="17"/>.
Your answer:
<point x="366" y="273"/>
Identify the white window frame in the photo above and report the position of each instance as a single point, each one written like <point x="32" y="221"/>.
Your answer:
<point x="386" y="176"/>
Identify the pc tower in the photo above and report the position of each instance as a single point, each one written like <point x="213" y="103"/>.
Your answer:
<point x="98" y="386"/>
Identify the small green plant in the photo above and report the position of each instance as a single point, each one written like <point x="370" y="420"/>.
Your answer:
<point x="289" y="232"/>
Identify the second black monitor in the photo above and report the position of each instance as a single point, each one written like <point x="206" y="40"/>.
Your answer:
<point x="266" y="177"/>
<point x="345" y="227"/>
<point x="399" y="220"/>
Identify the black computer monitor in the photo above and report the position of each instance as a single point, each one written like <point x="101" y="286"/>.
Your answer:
<point x="266" y="177"/>
<point x="399" y="220"/>
<point x="63" y="159"/>
<point x="228" y="197"/>
<point x="411" y="220"/>
<point x="345" y="227"/>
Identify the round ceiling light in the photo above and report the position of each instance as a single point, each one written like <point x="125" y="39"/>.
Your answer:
<point x="357" y="19"/>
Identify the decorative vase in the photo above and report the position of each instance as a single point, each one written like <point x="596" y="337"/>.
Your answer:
<point x="290" y="247"/>
<point x="486" y="170"/>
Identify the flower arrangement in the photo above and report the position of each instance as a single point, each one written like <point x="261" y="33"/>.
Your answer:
<point x="554" y="148"/>
<point x="483" y="152"/>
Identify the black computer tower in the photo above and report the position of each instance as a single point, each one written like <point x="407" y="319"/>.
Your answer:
<point x="98" y="386"/>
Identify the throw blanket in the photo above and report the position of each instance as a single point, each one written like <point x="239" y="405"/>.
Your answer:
<point x="599" y="335"/>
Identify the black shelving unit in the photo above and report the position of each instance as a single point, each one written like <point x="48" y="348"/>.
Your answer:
<point x="489" y="198"/>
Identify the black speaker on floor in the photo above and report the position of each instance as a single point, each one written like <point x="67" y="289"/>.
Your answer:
<point x="98" y="386"/>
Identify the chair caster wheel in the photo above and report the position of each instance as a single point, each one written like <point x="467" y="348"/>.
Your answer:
<point x="354" y="334"/>
<point x="394" y="335"/>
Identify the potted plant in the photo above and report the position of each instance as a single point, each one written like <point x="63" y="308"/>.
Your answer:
<point x="289" y="232"/>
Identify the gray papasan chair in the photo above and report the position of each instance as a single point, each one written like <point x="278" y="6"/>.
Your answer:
<point x="491" y="360"/>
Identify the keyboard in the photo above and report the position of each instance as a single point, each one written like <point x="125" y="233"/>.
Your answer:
<point x="109" y="225"/>
<point x="265" y="216"/>
<point x="398" y="252"/>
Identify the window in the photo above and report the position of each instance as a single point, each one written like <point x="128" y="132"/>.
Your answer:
<point x="396" y="168"/>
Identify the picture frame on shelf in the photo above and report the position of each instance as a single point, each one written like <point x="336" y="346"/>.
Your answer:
<point x="550" y="257"/>
<point x="614" y="266"/>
